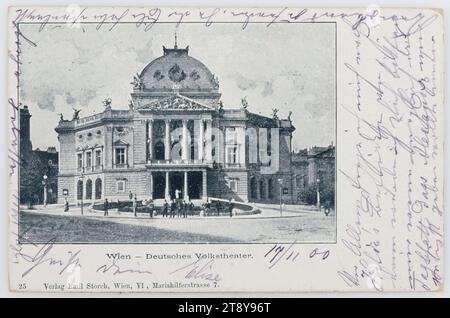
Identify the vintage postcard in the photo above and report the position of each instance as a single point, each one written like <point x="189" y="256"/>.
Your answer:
<point x="226" y="149"/>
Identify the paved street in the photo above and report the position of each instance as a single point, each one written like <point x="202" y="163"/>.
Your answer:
<point x="295" y="224"/>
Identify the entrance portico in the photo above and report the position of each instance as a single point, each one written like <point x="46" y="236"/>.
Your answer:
<point x="178" y="184"/>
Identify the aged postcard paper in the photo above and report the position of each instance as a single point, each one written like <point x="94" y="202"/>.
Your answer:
<point x="226" y="149"/>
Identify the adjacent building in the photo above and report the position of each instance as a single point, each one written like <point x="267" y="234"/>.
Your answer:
<point x="38" y="168"/>
<point x="314" y="169"/>
<point x="176" y="139"/>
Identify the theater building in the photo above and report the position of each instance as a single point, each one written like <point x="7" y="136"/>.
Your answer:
<point x="175" y="138"/>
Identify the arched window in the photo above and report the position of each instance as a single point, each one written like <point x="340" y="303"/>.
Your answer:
<point x="98" y="188"/>
<point x="253" y="188"/>
<point x="159" y="151"/>
<point x="80" y="190"/>
<point x="89" y="189"/>
<point x="262" y="191"/>
<point x="270" y="185"/>
<point x="175" y="153"/>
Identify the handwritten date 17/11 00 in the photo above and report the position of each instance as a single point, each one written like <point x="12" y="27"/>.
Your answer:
<point x="282" y="253"/>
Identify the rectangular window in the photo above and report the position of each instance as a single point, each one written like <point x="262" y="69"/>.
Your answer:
<point x="230" y="135"/>
<point x="120" y="156"/>
<point x="299" y="181"/>
<point x="80" y="161"/>
<point x="233" y="185"/>
<point x="232" y="154"/>
<point x="121" y="186"/>
<point x="88" y="159"/>
<point x="98" y="158"/>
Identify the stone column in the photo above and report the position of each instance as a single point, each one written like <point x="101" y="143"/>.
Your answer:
<point x="201" y="141"/>
<point x="266" y="188"/>
<point x="151" y="186"/>
<point x="167" y="140"/>
<point x="208" y="148"/>
<point x="184" y="146"/>
<point x="204" y="185"/>
<point x="186" y="187"/>
<point x="150" y="140"/>
<point x="167" y="194"/>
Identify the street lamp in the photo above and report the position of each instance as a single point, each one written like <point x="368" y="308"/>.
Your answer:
<point x="44" y="183"/>
<point x="318" y="194"/>
<point x="280" y="182"/>
<point x="82" y="190"/>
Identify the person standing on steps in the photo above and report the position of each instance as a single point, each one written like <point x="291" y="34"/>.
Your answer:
<point x="173" y="208"/>
<point x="165" y="209"/>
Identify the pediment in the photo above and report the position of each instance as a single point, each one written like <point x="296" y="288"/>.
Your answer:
<point x="120" y="142"/>
<point x="175" y="102"/>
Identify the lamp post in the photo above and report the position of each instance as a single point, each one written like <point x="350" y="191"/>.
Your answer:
<point x="44" y="183"/>
<point x="318" y="194"/>
<point x="280" y="183"/>
<point x="82" y="190"/>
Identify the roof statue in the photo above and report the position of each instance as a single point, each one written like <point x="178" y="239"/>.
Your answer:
<point x="76" y="113"/>
<point x="244" y="103"/>
<point x="107" y="103"/>
<point x="137" y="83"/>
<point x="175" y="46"/>
<point x="274" y="113"/>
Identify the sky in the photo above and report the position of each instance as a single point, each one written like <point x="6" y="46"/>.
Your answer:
<point x="286" y="66"/>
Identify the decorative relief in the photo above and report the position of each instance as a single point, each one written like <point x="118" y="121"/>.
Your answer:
<point x="194" y="75"/>
<point x="158" y="75"/>
<point x="176" y="74"/>
<point x="214" y="81"/>
<point x="175" y="102"/>
<point x="122" y="131"/>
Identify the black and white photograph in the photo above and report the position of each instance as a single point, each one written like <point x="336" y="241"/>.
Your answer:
<point x="178" y="134"/>
<point x="219" y="150"/>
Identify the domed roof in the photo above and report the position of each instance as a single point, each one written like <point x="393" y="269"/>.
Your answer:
<point x="177" y="70"/>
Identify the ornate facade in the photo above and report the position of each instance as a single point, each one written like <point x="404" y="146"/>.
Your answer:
<point x="176" y="138"/>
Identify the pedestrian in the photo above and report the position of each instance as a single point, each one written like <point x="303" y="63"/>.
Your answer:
<point x="185" y="208"/>
<point x="105" y="207"/>
<point x="66" y="205"/>
<point x="230" y="208"/>
<point x="135" y="205"/>
<point x="190" y="208"/>
<point x="207" y="207"/>
<point x="173" y="208"/>
<point x="179" y="208"/>
<point x="151" y="207"/>
<point x="165" y="208"/>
